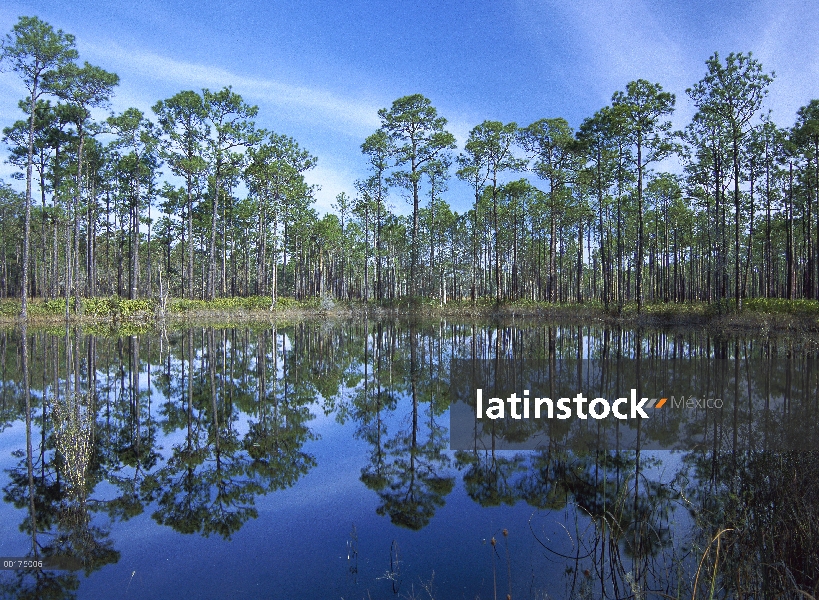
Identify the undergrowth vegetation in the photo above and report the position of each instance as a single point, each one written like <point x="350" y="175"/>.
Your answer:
<point x="122" y="309"/>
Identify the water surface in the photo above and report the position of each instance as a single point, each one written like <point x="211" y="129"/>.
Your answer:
<point x="312" y="460"/>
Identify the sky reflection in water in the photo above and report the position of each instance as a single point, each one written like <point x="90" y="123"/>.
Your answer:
<point x="317" y="485"/>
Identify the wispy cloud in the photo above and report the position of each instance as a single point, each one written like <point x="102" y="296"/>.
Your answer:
<point x="315" y="105"/>
<point x="630" y="39"/>
<point x="318" y="109"/>
<point x="788" y="44"/>
<point x="625" y="42"/>
<point x="608" y="46"/>
<point x="332" y="179"/>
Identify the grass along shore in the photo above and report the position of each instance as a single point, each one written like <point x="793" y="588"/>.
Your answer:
<point x="768" y="314"/>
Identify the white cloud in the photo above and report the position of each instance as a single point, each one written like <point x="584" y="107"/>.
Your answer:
<point x="460" y="128"/>
<point x="788" y="43"/>
<point x="611" y="44"/>
<point x="332" y="180"/>
<point x="320" y="109"/>
<point x="6" y="172"/>
<point x="311" y="104"/>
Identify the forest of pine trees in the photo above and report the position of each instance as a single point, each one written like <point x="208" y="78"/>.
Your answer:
<point x="196" y="201"/>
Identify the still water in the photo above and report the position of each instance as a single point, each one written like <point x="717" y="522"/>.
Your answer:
<point x="312" y="460"/>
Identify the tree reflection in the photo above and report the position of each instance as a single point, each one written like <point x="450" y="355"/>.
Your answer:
<point x="489" y="478"/>
<point x="195" y="431"/>
<point x="59" y="518"/>
<point x="410" y="481"/>
<point x="78" y="537"/>
<point x="751" y="496"/>
<point x="279" y="428"/>
<point x="203" y="487"/>
<point x="210" y="482"/>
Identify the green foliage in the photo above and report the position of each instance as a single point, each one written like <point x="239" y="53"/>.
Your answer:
<point x="314" y="302"/>
<point x="288" y="304"/>
<point x="98" y="307"/>
<point x="10" y="307"/>
<point x="251" y="303"/>
<point x="34" y="48"/>
<point x="116" y="307"/>
<point x="485" y="301"/>
<point x="122" y="309"/>
<point x="181" y="305"/>
<point x="781" y="306"/>
<point x="48" y="307"/>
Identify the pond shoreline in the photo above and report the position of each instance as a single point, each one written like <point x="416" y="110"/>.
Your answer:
<point x="793" y="319"/>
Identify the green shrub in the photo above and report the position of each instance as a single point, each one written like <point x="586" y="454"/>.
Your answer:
<point x="181" y="305"/>
<point x="783" y="306"/>
<point x="99" y="307"/>
<point x="116" y="307"/>
<point x="9" y="307"/>
<point x="49" y="307"/>
<point x="286" y="304"/>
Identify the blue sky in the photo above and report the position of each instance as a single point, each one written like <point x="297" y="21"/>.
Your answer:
<point x="319" y="71"/>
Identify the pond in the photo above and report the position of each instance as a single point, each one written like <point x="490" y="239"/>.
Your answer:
<point x="313" y="460"/>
